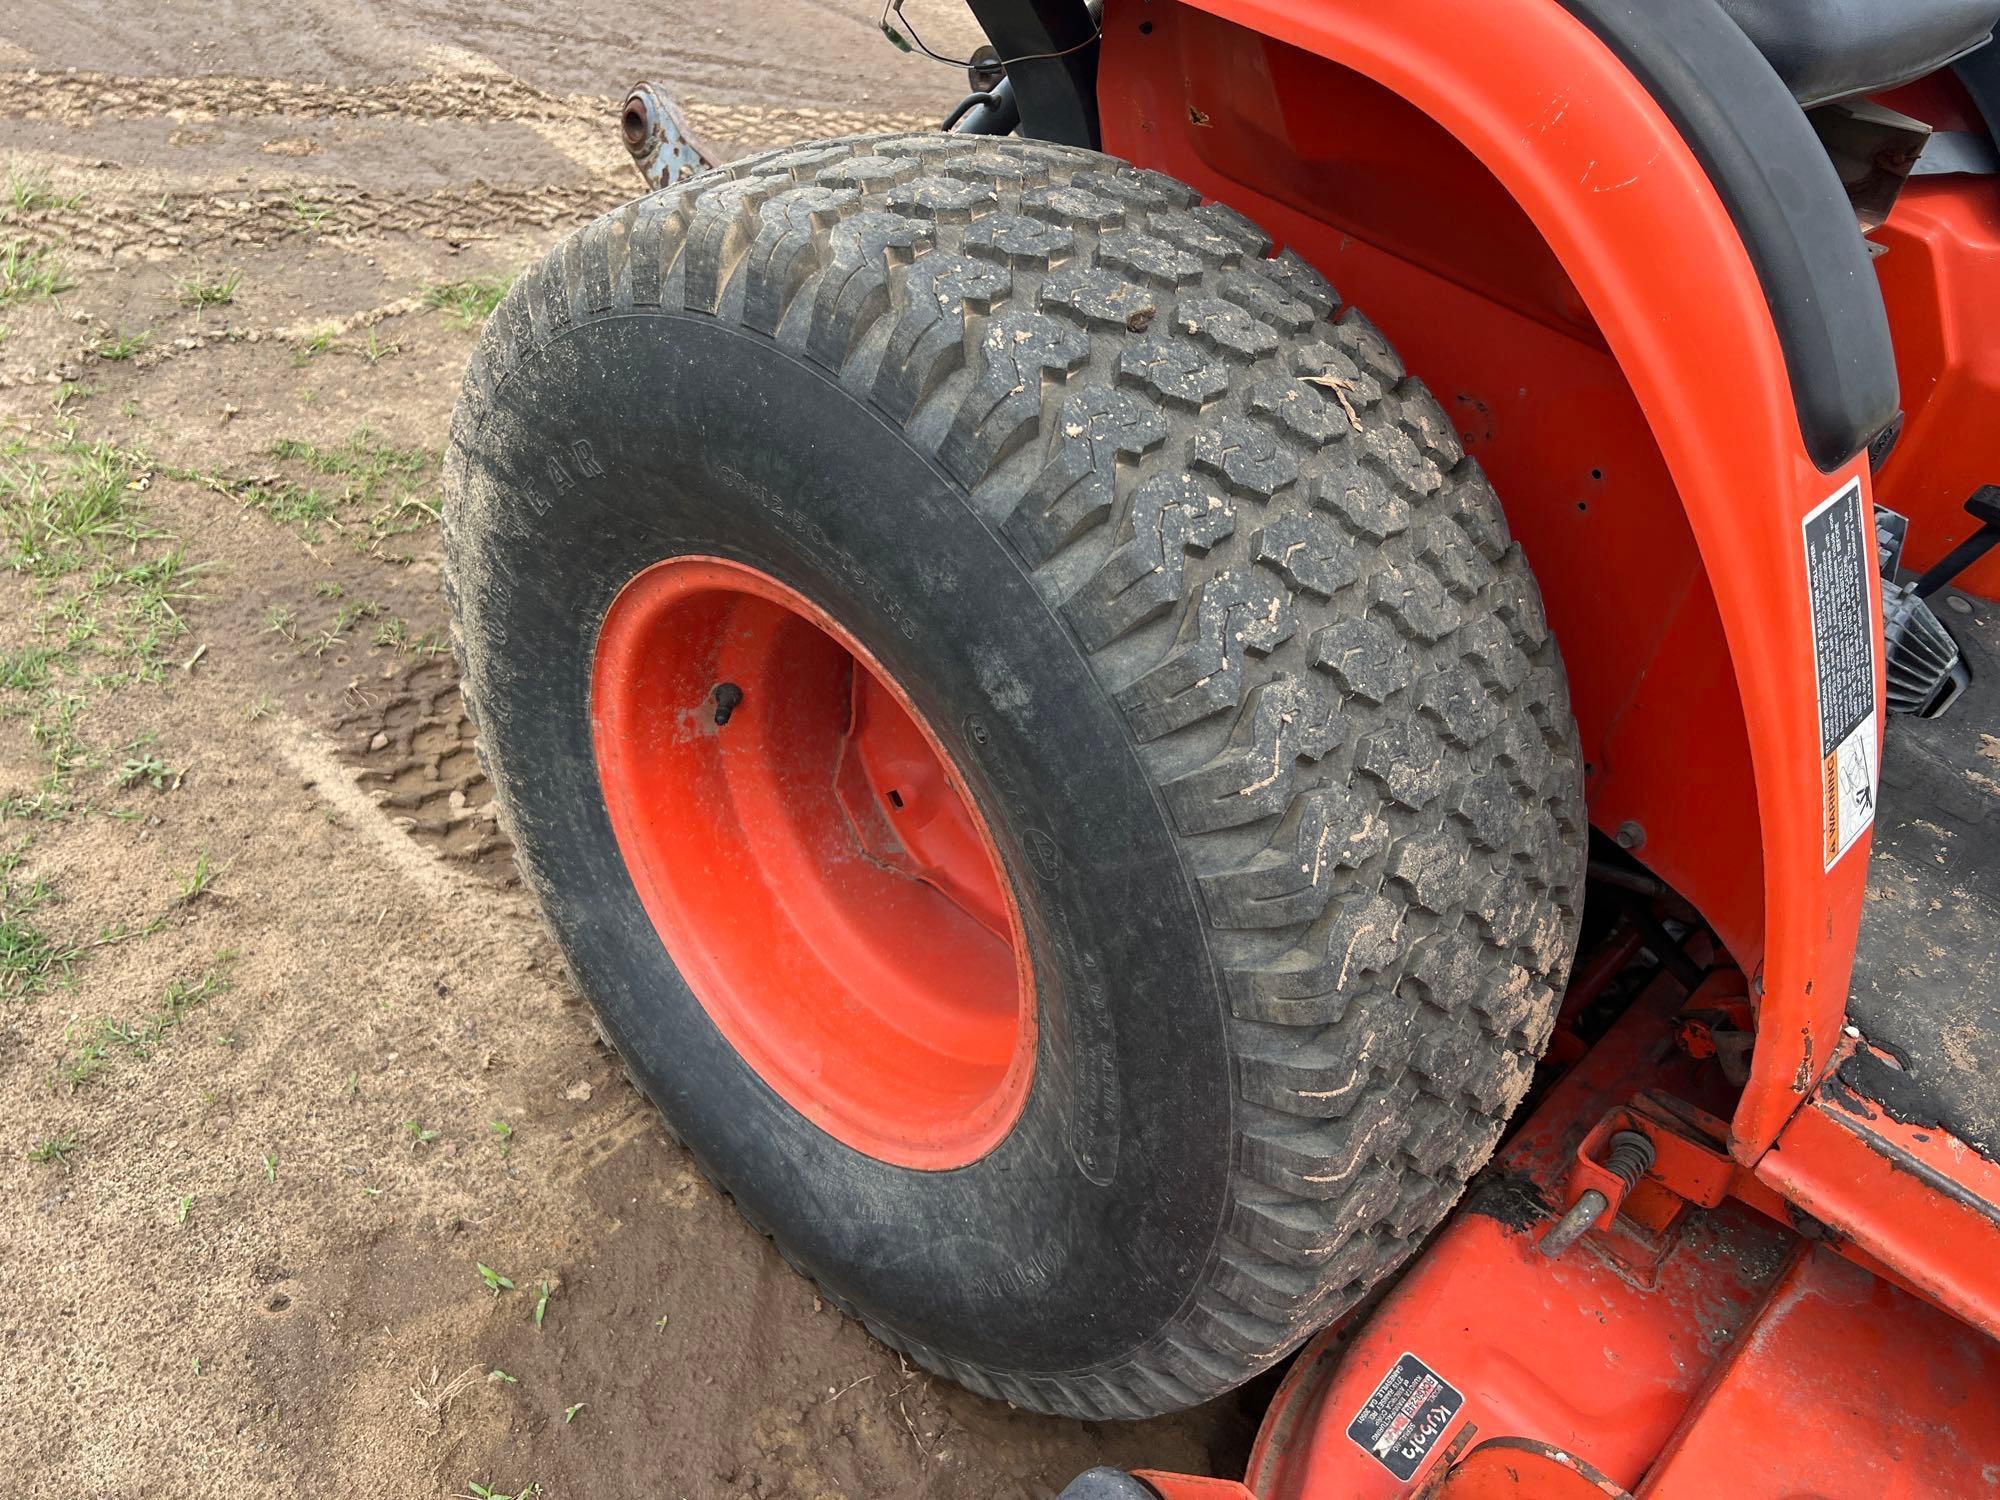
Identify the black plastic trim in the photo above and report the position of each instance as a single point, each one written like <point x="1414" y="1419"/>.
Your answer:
<point x="1057" y="95"/>
<point x="1790" y="209"/>
<point x="1980" y="73"/>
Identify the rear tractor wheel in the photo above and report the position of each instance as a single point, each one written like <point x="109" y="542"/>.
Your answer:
<point x="1032" y="737"/>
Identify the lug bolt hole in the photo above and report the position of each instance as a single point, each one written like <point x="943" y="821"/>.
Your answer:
<point x="727" y="696"/>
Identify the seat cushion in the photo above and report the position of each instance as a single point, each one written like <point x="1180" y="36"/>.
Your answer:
<point x="1833" y="49"/>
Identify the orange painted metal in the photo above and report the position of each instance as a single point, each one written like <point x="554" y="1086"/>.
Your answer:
<point x="1598" y="1352"/>
<point x="1692" y="1164"/>
<point x="1380" y="197"/>
<point x="1710" y="1351"/>
<point x="1649" y="1201"/>
<point x="1648" y="1205"/>
<point x="1575" y="1351"/>
<point x="1523" y="1469"/>
<point x="1192" y="1486"/>
<point x="1940" y="279"/>
<point x="1510" y="206"/>
<point x="813" y="862"/>
<point x="1924" y="1205"/>
<point x="1519" y="216"/>
<point x="1847" y="1389"/>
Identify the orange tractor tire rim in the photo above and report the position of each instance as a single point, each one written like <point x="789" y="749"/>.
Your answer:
<point x="813" y="863"/>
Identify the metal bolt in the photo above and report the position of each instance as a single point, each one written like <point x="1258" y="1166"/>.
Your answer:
<point x="1570" y="1228"/>
<point x="1629" y="1158"/>
<point x="1631" y="835"/>
<point x="727" y="696"/>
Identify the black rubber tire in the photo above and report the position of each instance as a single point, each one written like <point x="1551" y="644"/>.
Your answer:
<point x="1243" y="668"/>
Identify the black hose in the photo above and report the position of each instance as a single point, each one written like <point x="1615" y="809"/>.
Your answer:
<point x="992" y="112"/>
<point x="965" y="106"/>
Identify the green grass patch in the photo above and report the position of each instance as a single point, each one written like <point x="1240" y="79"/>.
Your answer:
<point x="313" y="343"/>
<point x="27" y="271"/>
<point x="468" y="303"/>
<point x="117" y="347"/>
<point x="26" y="670"/>
<point x="29" y="194"/>
<point x="55" y="729"/>
<point x="327" y="487"/>
<point x="109" y="591"/>
<point x="146" y="769"/>
<point x="289" y="504"/>
<point x="200" y="291"/>
<point x="367" y="462"/>
<point x="54" y="1151"/>
<point x="30" y="960"/>
<point x="107" y="1041"/>
<point x="312" y="216"/>
<point x="66" y="510"/>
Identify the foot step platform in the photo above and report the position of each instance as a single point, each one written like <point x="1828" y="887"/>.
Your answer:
<point x="1926" y="989"/>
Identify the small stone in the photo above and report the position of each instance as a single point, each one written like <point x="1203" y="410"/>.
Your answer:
<point x="577" y="1092"/>
<point x="380" y="740"/>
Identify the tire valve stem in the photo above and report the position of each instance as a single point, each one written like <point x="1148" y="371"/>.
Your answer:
<point x="727" y="696"/>
<point x="1629" y="1159"/>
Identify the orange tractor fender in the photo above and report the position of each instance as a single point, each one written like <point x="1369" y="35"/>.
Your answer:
<point x="1666" y="361"/>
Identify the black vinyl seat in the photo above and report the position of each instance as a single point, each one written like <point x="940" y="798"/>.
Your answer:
<point x="1835" y="49"/>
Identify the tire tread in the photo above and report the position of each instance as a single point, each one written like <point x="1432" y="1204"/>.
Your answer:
<point x="1300" y="592"/>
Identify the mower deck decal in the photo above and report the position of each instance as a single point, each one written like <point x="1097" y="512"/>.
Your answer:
<point x="1402" y="1421"/>
<point x="1840" y="554"/>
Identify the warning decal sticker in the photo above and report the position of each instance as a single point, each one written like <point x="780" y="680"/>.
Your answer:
<point x="1840" y="556"/>
<point x="1406" y="1416"/>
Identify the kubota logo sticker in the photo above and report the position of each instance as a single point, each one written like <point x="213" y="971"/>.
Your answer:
<point x="1408" y="1413"/>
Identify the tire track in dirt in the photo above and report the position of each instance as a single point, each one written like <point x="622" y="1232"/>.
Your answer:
<point x="75" y="98"/>
<point x="412" y="744"/>
<point x="110" y="223"/>
<point x="332" y="780"/>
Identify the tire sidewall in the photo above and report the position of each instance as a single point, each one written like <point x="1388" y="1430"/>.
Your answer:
<point x="630" y="440"/>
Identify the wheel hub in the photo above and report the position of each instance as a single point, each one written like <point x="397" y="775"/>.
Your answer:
<point x="813" y="862"/>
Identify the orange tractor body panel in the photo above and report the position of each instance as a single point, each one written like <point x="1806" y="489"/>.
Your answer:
<point x="1477" y="178"/>
<point x="1679" y="590"/>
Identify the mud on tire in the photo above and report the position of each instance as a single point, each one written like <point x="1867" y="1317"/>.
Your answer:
<point x="1108" y="483"/>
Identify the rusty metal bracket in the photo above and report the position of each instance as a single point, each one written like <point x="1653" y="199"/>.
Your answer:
<point x="656" y="133"/>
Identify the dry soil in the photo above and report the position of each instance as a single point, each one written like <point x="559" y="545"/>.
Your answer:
<point x="285" y="1058"/>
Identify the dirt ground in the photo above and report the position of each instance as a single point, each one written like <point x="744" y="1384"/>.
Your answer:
<point x="315" y="1181"/>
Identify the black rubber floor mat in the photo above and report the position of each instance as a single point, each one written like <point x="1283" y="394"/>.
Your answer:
<point x="1927" y="974"/>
